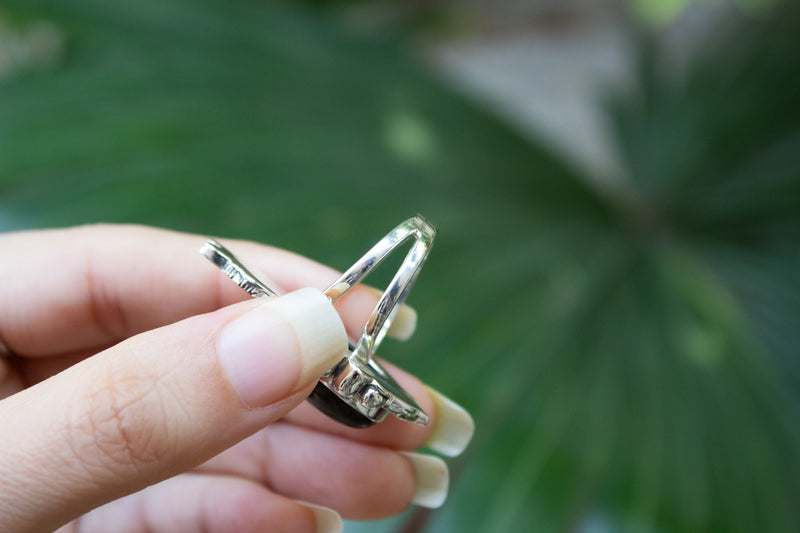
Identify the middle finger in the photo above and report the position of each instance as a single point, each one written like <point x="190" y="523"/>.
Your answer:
<point x="359" y="481"/>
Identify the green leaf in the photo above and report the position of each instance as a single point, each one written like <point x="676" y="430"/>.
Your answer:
<point x="631" y="361"/>
<point x="663" y="12"/>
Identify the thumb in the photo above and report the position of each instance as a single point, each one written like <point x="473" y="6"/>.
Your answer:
<point x="158" y="404"/>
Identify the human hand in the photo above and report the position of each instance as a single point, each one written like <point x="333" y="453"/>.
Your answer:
<point x="177" y="402"/>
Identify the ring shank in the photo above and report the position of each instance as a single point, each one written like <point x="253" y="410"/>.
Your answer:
<point x="357" y="391"/>
<point x="395" y="294"/>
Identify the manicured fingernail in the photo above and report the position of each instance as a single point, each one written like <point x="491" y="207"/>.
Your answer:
<point x="275" y="349"/>
<point x="404" y="322"/>
<point x="432" y="479"/>
<point x="454" y="426"/>
<point x="328" y="520"/>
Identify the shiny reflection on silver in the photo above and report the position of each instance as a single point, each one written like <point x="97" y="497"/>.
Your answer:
<point x="358" y="391"/>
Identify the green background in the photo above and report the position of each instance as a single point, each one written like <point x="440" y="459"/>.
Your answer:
<point x="629" y="354"/>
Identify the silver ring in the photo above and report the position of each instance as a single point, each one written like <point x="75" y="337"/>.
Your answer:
<point x="358" y="391"/>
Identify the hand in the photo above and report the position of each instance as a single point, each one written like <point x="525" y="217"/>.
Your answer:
<point x="176" y="402"/>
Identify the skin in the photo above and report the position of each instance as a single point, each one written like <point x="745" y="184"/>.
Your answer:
<point x="178" y="451"/>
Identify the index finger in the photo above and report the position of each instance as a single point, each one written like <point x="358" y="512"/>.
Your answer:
<point x="68" y="290"/>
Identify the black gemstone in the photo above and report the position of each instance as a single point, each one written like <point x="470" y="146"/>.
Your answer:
<point x="326" y="401"/>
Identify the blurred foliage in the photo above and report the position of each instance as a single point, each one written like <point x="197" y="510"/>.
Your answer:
<point x="664" y="11"/>
<point x="630" y="357"/>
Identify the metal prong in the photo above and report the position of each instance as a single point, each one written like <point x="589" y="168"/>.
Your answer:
<point x="231" y="267"/>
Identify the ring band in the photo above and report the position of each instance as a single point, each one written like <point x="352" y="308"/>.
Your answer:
<point x="359" y="379"/>
<point x="358" y="391"/>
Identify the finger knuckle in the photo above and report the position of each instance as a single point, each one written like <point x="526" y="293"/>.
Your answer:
<point x="113" y="425"/>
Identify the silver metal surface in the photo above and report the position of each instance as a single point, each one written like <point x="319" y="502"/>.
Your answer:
<point x="231" y="267"/>
<point x="358" y="379"/>
<point x="423" y="233"/>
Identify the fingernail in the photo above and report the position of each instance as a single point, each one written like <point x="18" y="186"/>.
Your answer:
<point x="328" y="520"/>
<point x="454" y="426"/>
<point x="275" y="349"/>
<point x="432" y="479"/>
<point x="404" y="322"/>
